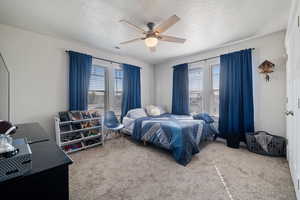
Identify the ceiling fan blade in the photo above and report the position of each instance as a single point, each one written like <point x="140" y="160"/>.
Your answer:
<point x="152" y="49"/>
<point x="133" y="26"/>
<point x="171" y="39"/>
<point x="167" y="24"/>
<point x="130" y="41"/>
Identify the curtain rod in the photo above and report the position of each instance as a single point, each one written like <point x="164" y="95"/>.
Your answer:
<point x="208" y="58"/>
<point x="111" y="61"/>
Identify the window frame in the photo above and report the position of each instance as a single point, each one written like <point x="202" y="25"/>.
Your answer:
<point x="194" y="67"/>
<point x="113" y="93"/>
<point x="118" y="78"/>
<point x="208" y="91"/>
<point x="211" y="65"/>
<point x="105" y="91"/>
<point x="109" y="83"/>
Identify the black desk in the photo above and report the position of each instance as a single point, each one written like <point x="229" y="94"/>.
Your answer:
<point x="49" y="177"/>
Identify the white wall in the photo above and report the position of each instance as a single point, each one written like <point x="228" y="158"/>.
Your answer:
<point x="4" y="91"/>
<point x="269" y="98"/>
<point x="39" y="74"/>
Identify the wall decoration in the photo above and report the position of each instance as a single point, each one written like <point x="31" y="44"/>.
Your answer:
<point x="266" y="68"/>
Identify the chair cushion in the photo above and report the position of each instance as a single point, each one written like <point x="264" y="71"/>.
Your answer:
<point x="110" y="120"/>
<point x="136" y="113"/>
<point x="119" y="127"/>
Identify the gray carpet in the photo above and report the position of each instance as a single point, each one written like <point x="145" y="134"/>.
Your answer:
<point x="123" y="170"/>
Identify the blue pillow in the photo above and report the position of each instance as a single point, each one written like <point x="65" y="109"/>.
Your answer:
<point x="205" y="117"/>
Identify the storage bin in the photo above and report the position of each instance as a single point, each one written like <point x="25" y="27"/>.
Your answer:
<point x="276" y="146"/>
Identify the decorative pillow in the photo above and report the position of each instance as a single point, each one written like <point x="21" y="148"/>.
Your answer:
<point x="136" y="113"/>
<point x="205" y="117"/>
<point x="154" y="110"/>
<point x="162" y="110"/>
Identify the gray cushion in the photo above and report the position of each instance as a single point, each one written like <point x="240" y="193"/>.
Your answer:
<point x="136" y="113"/>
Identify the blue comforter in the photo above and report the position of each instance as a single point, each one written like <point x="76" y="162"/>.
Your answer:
<point x="180" y="136"/>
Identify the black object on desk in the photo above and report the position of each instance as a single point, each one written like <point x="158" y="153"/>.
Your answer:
<point x="49" y="177"/>
<point x="33" y="132"/>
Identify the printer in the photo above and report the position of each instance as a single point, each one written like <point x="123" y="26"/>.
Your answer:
<point x="15" y="154"/>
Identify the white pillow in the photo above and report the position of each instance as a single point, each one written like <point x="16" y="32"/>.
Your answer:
<point x="136" y="113"/>
<point x="162" y="110"/>
<point x="154" y="110"/>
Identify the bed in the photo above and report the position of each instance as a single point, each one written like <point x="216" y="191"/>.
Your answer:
<point x="180" y="134"/>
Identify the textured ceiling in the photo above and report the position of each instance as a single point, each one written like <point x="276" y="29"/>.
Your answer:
<point x="204" y="23"/>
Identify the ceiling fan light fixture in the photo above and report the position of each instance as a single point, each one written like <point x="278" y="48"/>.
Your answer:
<point x="153" y="34"/>
<point x="151" y="41"/>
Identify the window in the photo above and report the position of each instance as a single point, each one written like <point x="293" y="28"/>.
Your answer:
<point x="118" y="90"/>
<point x="204" y="88"/>
<point x="215" y="74"/>
<point x="97" y="95"/>
<point x="106" y="88"/>
<point x="196" y="89"/>
<point x="215" y="69"/>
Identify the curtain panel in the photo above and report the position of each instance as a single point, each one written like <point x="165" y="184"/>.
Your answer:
<point x="79" y="75"/>
<point x="180" y="95"/>
<point x="131" y="89"/>
<point x="236" y="97"/>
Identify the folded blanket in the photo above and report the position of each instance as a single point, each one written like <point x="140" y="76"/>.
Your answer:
<point x="205" y="117"/>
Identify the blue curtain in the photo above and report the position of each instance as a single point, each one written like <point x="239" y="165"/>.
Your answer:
<point x="79" y="75"/>
<point x="131" y="88"/>
<point x="236" y="97"/>
<point x="180" y="96"/>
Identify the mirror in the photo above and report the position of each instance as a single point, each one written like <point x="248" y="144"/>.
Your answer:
<point x="4" y="91"/>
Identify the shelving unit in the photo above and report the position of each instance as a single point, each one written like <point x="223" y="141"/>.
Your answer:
<point x="73" y="136"/>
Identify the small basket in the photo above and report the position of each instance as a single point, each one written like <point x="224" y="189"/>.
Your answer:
<point x="276" y="147"/>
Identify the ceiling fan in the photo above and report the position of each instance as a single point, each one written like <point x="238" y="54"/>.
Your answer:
<point x="152" y="36"/>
